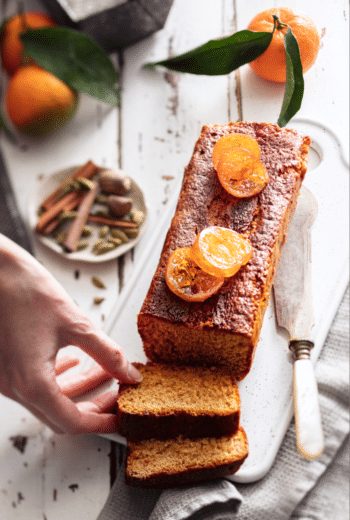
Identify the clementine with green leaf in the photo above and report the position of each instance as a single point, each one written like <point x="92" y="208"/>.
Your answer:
<point x="11" y="46"/>
<point x="271" y="64"/>
<point x="37" y="102"/>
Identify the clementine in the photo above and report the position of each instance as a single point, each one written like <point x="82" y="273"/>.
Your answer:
<point x="187" y="280"/>
<point x="221" y="251"/>
<point x="271" y="64"/>
<point x="37" y="102"/>
<point x="11" y="45"/>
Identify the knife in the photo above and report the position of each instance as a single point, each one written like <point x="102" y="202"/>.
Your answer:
<point x="293" y="304"/>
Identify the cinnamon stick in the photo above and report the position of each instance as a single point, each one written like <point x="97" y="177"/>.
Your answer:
<point x="87" y="170"/>
<point x="52" y="212"/>
<point x="69" y="207"/>
<point x="111" y="222"/>
<point x="74" y="234"/>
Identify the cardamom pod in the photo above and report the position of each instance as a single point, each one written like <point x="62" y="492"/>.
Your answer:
<point x="118" y="233"/>
<point x="67" y="215"/>
<point x="137" y="216"/>
<point x="84" y="183"/>
<point x="115" y="241"/>
<point x="132" y="233"/>
<point x="104" y="248"/>
<point x="103" y="231"/>
<point x="97" y="282"/>
<point x="61" y="237"/>
<point x="97" y="244"/>
<point x="67" y="188"/>
<point x="82" y="244"/>
<point x="86" y="231"/>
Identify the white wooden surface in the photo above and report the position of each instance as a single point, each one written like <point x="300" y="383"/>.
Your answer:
<point x="151" y="137"/>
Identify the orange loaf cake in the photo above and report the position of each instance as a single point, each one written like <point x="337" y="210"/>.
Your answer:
<point x="224" y="329"/>
<point x="182" y="461"/>
<point x="178" y="400"/>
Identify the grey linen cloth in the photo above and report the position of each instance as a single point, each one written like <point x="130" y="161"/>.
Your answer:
<point x="11" y="222"/>
<point x="294" y="488"/>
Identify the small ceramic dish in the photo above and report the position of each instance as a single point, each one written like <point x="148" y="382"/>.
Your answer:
<point x="48" y="185"/>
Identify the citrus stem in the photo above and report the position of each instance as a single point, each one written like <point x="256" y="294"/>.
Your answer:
<point x="277" y="24"/>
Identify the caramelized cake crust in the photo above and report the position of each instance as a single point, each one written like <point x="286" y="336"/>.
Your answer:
<point x="224" y="330"/>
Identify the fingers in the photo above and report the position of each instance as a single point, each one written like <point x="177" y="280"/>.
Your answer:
<point x="97" y="416"/>
<point x="107" y="354"/>
<point x="72" y="386"/>
<point x="66" y="415"/>
<point x="64" y="363"/>
<point x="44" y="399"/>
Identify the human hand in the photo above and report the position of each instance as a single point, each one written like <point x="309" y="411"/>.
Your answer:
<point x="37" y="319"/>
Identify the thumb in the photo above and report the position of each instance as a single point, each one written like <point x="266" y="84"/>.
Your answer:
<point x="106" y="353"/>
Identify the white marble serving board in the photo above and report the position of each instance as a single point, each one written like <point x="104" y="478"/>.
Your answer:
<point x="266" y="393"/>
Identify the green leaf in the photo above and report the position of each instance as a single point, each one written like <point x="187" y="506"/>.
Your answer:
<point x="75" y="59"/>
<point x="221" y="56"/>
<point x="294" y="89"/>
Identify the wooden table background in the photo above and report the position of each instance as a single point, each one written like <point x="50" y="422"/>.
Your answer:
<point x="151" y="136"/>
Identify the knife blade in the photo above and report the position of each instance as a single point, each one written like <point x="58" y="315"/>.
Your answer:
<point x="294" y="312"/>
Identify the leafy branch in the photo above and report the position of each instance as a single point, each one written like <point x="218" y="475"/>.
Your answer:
<point x="82" y="64"/>
<point x="74" y="58"/>
<point x="222" y="56"/>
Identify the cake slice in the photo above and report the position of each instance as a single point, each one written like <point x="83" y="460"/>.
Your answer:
<point x="182" y="461"/>
<point x="225" y="329"/>
<point x="178" y="400"/>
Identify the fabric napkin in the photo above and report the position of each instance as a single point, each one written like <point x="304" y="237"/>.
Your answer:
<point x="294" y="488"/>
<point x="11" y="222"/>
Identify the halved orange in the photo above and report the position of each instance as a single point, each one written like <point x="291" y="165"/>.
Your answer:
<point x="220" y="251"/>
<point x="187" y="280"/>
<point x="229" y="141"/>
<point x="241" y="173"/>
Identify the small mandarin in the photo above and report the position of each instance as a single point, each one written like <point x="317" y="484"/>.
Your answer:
<point x="11" y="45"/>
<point x="271" y="64"/>
<point x="37" y="102"/>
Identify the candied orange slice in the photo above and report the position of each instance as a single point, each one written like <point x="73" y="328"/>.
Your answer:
<point x="229" y="141"/>
<point x="241" y="173"/>
<point x="221" y="251"/>
<point x="187" y="280"/>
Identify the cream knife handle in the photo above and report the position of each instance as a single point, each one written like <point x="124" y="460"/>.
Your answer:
<point x="308" y="424"/>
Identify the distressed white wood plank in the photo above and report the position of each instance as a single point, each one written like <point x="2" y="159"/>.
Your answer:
<point x="163" y="111"/>
<point x="55" y="475"/>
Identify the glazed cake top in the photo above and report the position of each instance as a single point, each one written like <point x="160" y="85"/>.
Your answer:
<point x="203" y="202"/>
